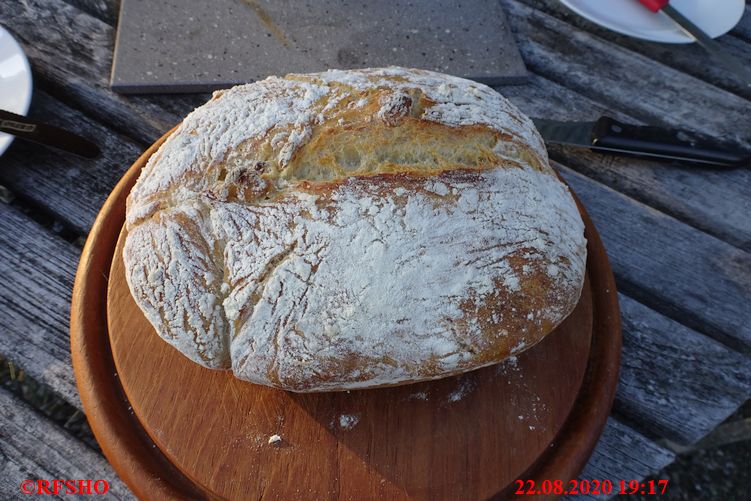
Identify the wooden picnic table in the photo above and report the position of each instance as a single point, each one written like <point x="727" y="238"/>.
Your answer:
<point x="678" y="237"/>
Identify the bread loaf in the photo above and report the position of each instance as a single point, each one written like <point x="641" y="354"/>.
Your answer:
<point x="352" y="229"/>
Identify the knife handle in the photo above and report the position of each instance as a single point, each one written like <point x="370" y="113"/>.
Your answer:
<point x="611" y="135"/>
<point x="654" y="5"/>
<point x="48" y="135"/>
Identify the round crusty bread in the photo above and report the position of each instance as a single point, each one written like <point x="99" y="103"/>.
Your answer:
<point x="351" y="229"/>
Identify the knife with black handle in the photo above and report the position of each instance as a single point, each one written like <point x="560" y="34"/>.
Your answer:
<point x="608" y="135"/>
<point x="48" y="135"/>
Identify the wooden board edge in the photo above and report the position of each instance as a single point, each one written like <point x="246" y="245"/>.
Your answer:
<point x="148" y="473"/>
<point x="132" y="454"/>
<point x="577" y="439"/>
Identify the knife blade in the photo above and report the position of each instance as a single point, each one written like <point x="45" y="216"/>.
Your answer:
<point x="48" y="135"/>
<point x="608" y="135"/>
<point x="712" y="47"/>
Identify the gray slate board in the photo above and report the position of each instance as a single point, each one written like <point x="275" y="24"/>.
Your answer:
<point x="194" y="45"/>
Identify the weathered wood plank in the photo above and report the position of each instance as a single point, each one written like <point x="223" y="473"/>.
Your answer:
<point x="33" y="448"/>
<point x="685" y="274"/>
<point x="68" y="186"/>
<point x="37" y="269"/>
<point x="730" y="432"/>
<point x="71" y="54"/>
<point x="688" y="58"/>
<point x="715" y="201"/>
<point x="623" y="454"/>
<point x="674" y="382"/>
<point x="107" y="11"/>
<point x="625" y="80"/>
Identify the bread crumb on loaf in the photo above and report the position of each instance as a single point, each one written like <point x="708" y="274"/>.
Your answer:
<point x="352" y="229"/>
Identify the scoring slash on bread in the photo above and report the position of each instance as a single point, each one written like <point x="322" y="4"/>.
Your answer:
<point x="353" y="229"/>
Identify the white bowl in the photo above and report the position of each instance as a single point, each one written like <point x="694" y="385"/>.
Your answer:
<point x="714" y="17"/>
<point x="15" y="81"/>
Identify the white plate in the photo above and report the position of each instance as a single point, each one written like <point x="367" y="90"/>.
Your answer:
<point x="15" y="81"/>
<point x="714" y="17"/>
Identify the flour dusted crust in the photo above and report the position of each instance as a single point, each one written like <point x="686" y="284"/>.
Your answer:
<point x="351" y="229"/>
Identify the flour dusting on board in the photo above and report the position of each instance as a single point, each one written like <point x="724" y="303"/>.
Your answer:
<point x="533" y="411"/>
<point x="464" y="388"/>
<point x="419" y="395"/>
<point x="348" y="421"/>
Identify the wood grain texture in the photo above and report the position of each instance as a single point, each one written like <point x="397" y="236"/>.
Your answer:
<point x="37" y="275"/>
<point x="68" y="186"/>
<point x="690" y="59"/>
<point x="106" y="407"/>
<point x="33" y="448"/>
<point x="624" y="451"/>
<point x="676" y="383"/>
<point x="715" y="201"/>
<point x="620" y="78"/>
<point x="668" y="265"/>
<point x="462" y="437"/>
<point x="104" y="10"/>
<point x="699" y="368"/>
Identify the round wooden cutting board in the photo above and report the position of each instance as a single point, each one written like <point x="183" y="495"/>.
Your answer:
<point x="174" y="429"/>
